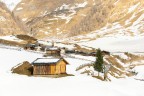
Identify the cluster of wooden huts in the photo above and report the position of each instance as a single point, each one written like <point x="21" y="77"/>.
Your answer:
<point x="50" y="49"/>
<point x="56" y="64"/>
<point x="48" y="66"/>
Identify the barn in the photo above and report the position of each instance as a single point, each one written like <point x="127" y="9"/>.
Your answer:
<point x="29" y="47"/>
<point x="53" y="51"/>
<point x="49" y="66"/>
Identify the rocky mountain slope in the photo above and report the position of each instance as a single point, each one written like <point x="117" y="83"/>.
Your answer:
<point x="61" y="18"/>
<point x="8" y="24"/>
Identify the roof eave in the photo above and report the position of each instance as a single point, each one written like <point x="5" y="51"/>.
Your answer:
<point x="52" y="63"/>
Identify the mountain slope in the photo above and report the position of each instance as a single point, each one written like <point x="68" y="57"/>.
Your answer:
<point x="8" y="25"/>
<point x="48" y="17"/>
<point x="75" y="17"/>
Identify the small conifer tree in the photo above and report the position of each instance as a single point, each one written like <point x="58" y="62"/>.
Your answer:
<point x="98" y="64"/>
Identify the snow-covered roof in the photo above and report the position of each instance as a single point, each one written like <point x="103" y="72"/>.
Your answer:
<point x="47" y="60"/>
<point x="45" y="42"/>
<point x="53" y="48"/>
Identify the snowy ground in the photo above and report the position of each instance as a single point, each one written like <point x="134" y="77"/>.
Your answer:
<point x="117" y="44"/>
<point x="78" y="85"/>
<point x="11" y="38"/>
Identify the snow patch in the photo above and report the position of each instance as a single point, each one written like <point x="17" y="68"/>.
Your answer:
<point x="45" y="42"/>
<point x="116" y="2"/>
<point x="64" y="6"/>
<point x="19" y="8"/>
<point x="71" y="10"/>
<point x="67" y="17"/>
<point x="132" y="8"/>
<point x="77" y="5"/>
<point x="24" y="19"/>
<point x="128" y="21"/>
<point x="2" y="18"/>
<point x="82" y="4"/>
<point x="11" y="4"/>
<point x="140" y="70"/>
<point x="11" y="38"/>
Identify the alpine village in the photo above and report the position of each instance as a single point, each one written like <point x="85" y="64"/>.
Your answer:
<point x="53" y="64"/>
<point x="72" y="47"/>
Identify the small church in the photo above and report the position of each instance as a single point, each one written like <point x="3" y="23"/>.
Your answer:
<point x="49" y="66"/>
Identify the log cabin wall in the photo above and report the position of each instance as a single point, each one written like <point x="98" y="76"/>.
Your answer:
<point x="53" y="52"/>
<point x="44" y="69"/>
<point x="52" y="69"/>
<point x="61" y="67"/>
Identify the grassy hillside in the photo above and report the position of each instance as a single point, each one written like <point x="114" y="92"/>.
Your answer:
<point x="62" y="18"/>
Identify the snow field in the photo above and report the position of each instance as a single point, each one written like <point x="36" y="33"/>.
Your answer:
<point x="78" y="85"/>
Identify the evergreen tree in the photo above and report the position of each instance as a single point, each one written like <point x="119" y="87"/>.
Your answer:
<point x="98" y="65"/>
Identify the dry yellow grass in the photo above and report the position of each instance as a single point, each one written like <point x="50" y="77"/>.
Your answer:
<point x="24" y="69"/>
<point x="117" y="70"/>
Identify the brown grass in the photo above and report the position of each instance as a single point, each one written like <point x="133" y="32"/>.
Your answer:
<point x="82" y="66"/>
<point x="99" y="77"/>
<point x="114" y="62"/>
<point x="114" y="71"/>
<point x="24" y="69"/>
<point x="26" y="38"/>
<point x="121" y="59"/>
<point x="10" y="43"/>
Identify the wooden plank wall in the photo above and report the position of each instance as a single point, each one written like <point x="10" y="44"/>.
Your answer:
<point x="61" y="67"/>
<point x="50" y="69"/>
<point x="44" y="69"/>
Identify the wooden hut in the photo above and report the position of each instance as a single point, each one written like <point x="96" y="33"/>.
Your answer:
<point x="105" y="53"/>
<point x="49" y="66"/>
<point x="53" y="51"/>
<point x="29" y="47"/>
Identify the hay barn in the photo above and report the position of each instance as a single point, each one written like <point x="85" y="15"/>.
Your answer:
<point x="53" y="51"/>
<point x="49" y="66"/>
